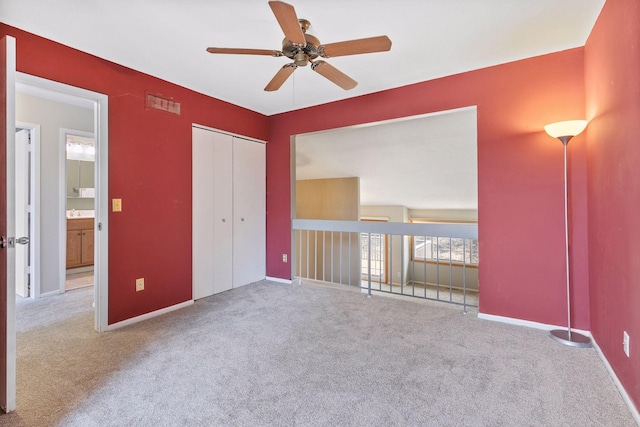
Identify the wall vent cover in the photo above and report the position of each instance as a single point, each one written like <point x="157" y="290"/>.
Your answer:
<point x="162" y="103"/>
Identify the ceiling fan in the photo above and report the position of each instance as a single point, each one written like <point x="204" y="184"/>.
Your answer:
<point x="305" y="49"/>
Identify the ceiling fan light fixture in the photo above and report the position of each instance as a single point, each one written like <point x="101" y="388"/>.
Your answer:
<point x="301" y="59"/>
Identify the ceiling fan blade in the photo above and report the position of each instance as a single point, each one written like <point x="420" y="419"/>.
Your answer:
<point x="229" y="50"/>
<point x="355" y="47"/>
<point x="281" y="76"/>
<point x="288" y="20"/>
<point x="333" y="74"/>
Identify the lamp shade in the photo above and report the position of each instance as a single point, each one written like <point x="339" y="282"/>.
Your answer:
<point x="568" y="128"/>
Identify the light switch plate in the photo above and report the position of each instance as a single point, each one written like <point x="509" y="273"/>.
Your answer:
<point x="140" y="284"/>
<point x="625" y="343"/>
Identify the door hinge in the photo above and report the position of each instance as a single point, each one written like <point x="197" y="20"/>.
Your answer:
<point x="99" y="226"/>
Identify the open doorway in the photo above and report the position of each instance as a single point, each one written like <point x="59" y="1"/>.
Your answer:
<point x="71" y="187"/>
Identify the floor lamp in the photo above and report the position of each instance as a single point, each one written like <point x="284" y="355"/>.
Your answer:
<point x="564" y="131"/>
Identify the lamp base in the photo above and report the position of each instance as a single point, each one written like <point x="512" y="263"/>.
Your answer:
<point x="574" y="340"/>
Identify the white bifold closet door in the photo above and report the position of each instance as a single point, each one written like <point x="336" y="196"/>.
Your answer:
<point x="228" y="228"/>
<point x="249" y="206"/>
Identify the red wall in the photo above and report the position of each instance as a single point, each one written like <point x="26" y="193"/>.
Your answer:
<point x="520" y="181"/>
<point x="149" y="169"/>
<point x="612" y="70"/>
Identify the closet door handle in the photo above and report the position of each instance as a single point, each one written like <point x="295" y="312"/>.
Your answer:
<point x="224" y="220"/>
<point x="242" y="219"/>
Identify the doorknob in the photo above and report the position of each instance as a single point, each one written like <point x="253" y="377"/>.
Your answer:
<point x="22" y="240"/>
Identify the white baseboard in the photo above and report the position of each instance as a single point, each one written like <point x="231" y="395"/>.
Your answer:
<point x="527" y="323"/>
<point x="51" y="293"/>
<point x="147" y="316"/>
<point x="77" y="270"/>
<point x="277" y="279"/>
<point x="625" y="396"/>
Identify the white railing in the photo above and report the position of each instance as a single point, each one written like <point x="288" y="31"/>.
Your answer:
<point x="377" y="257"/>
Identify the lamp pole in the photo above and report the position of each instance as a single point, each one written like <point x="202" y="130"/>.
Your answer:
<point x="564" y="131"/>
<point x="565" y="142"/>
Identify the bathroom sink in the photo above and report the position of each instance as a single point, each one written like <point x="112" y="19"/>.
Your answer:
<point x="73" y="214"/>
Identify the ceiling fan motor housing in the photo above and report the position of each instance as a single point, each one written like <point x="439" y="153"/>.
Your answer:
<point x="302" y="54"/>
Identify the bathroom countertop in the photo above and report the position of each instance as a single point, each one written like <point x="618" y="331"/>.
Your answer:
<point x="80" y="214"/>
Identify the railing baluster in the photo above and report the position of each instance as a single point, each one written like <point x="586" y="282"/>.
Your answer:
<point x="464" y="275"/>
<point x="300" y="254"/>
<point x="350" y="253"/>
<point x="324" y="251"/>
<point x="450" y="270"/>
<point x="402" y="266"/>
<point x="391" y="262"/>
<point x="413" y="271"/>
<point x="437" y="268"/>
<point x="380" y="260"/>
<point x="369" y="266"/>
<point x="425" y="266"/>
<point x="333" y="279"/>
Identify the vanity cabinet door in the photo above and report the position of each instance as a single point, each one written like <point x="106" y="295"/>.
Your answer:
<point x="74" y="248"/>
<point x="79" y="242"/>
<point x="87" y="247"/>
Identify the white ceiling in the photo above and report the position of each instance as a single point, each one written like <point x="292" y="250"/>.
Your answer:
<point x="431" y="39"/>
<point x="429" y="162"/>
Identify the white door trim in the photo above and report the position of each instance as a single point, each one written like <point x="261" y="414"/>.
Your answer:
<point x="224" y="132"/>
<point x="34" y="232"/>
<point x="10" y="370"/>
<point x="101" y="120"/>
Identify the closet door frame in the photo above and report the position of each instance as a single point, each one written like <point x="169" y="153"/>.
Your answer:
<point x="198" y="270"/>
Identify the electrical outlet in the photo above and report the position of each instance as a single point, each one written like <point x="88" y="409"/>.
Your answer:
<point x="140" y="284"/>
<point x="625" y="343"/>
<point x="284" y="257"/>
<point x="116" y="205"/>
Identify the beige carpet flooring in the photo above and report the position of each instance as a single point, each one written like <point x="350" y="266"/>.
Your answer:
<point x="271" y="354"/>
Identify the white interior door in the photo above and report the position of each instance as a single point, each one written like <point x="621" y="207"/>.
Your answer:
<point x="7" y="225"/>
<point x="249" y="208"/>
<point x="212" y="213"/>
<point x="22" y="211"/>
<point x="202" y="209"/>
<point x="222" y="212"/>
